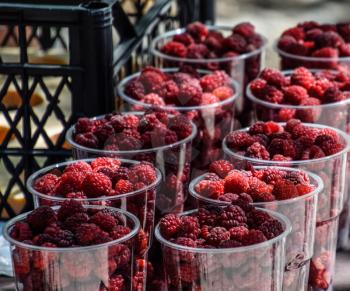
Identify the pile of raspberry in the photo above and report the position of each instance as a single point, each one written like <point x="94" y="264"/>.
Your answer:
<point x="159" y="88"/>
<point x="103" y="177"/>
<point x="225" y="183"/>
<point x="197" y="42"/>
<point x="301" y="87"/>
<point x="127" y="132"/>
<point x="72" y="225"/>
<point x="238" y="224"/>
<point x="293" y="141"/>
<point x="317" y="40"/>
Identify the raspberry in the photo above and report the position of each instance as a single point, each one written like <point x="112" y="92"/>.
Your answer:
<point x="223" y="92"/>
<point x="39" y="218"/>
<point x="236" y="182"/>
<point x="333" y="94"/>
<point x="103" y="132"/>
<point x="198" y="31"/>
<point x="76" y="195"/>
<point x="257" y="217"/>
<point x="181" y="77"/>
<point x="344" y="31"/>
<point x="257" y="87"/>
<point x="232" y="216"/>
<point x="184" y="38"/>
<point x="238" y="233"/>
<point x="69" y="208"/>
<point x="213" y="81"/>
<point x="174" y="48"/>
<point x="235" y="43"/>
<point x="319" y="87"/>
<point x="239" y="140"/>
<point x="197" y="51"/>
<point x="169" y="225"/>
<point x="214" y="45"/>
<point x="285" y="189"/>
<point x="21" y="261"/>
<point x="271" y="175"/>
<point x="142" y="172"/>
<point x="302" y="77"/>
<point x="228" y="197"/>
<point x="208" y="98"/>
<point x="119" y="231"/>
<point x="21" y="231"/>
<point x="88" y="140"/>
<point x="313" y="152"/>
<point x="296" y="32"/>
<point x="273" y="77"/>
<point x="295" y="94"/>
<point x="328" y="39"/>
<point x="70" y="182"/>
<point x="271" y="228"/>
<point x="217" y="235"/>
<point x="87" y="233"/>
<point x="61" y="238"/>
<point x="72" y="222"/>
<point x="297" y="177"/>
<point x="253" y="237"/>
<point x="83" y="125"/>
<point x="328" y="144"/>
<point x="122" y="122"/>
<point x="96" y="185"/>
<point x="221" y="168"/>
<point x="160" y="136"/>
<point x="181" y="125"/>
<point x="282" y="147"/>
<point x="115" y="283"/>
<point x="153" y="99"/>
<point x="135" y="89"/>
<point x="312" y="34"/>
<point x="189" y="94"/>
<point x="151" y="77"/>
<point x="208" y="216"/>
<point x="104" y="162"/>
<point x="189" y="227"/>
<point x="326" y="52"/>
<point x="304" y="189"/>
<point x="212" y="189"/>
<point x="258" y="188"/>
<point x="257" y="151"/>
<point x="79" y="166"/>
<point x="104" y="220"/>
<point x="46" y="184"/>
<point x="123" y="187"/>
<point x="244" y="29"/>
<point x="169" y="91"/>
<point x="272" y="94"/>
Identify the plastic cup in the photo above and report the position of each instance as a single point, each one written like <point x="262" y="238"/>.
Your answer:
<point x="332" y="169"/>
<point x="292" y="61"/>
<point x="254" y="267"/>
<point x="243" y="68"/>
<point x="301" y="212"/>
<point x="74" y="268"/>
<point x="213" y="121"/>
<point x="172" y="160"/>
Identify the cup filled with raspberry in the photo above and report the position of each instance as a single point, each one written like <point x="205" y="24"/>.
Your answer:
<point x="239" y="51"/>
<point x="70" y="247"/>
<point x="314" y="45"/>
<point x="154" y="136"/>
<point x="313" y="147"/>
<point x="235" y="247"/>
<point x="291" y="192"/>
<point x="208" y="99"/>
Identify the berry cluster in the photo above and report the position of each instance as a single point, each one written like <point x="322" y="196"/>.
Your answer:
<point x="159" y="88"/>
<point x="72" y="225"/>
<point x="227" y="184"/>
<point x="315" y="40"/>
<point x="293" y="141"/>
<point x="235" y="225"/>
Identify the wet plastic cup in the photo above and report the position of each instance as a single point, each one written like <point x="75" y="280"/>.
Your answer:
<point x="332" y="169"/>
<point x="254" y="267"/>
<point x="243" y="68"/>
<point x="301" y="212"/>
<point x="213" y="121"/>
<point x="74" y="268"/>
<point x="172" y="160"/>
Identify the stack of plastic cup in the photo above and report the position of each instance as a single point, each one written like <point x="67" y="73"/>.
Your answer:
<point x="332" y="169"/>
<point x="74" y="268"/>
<point x="254" y="267"/>
<point x="213" y="121"/>
<point x="301" y="212"/>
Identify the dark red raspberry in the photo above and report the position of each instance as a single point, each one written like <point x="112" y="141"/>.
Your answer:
<point x="271" y="228"/>
<point x="70" y="182"/>
<point x="302" y="77"/>
<point x="46" y="184"/>
<point x="344" y="30"/>
<point x="313" y="152"/>
<point x="21" y="231"/>
<point x="328" y="39"/>
<point x="244" y="29"/>
<point x="295" y="94"/>
<point x="257" y="151"/>
<point x="297" y="177"/>
<point x="333" y="94"/>
<point x="61" y="238"/>
<point x="184" y="38"/>
<point x="69" y="208"/>
<point x="232" y="216"/>
<point x="217" y="235"/>
<point x="189" y="227"/>
<point x="169" y="225"/>
<point x="272" y="94"/>
<point x="238" y="233"/>
<point x="79" y="166"/>
<point x="72" y="222"/>
<point x="236" y="43"/>
<point x="151" y="77"/>
<point x="174" y="48"/>
<point x="197" y="51"/>
<point x="257" y="87"/>
<point x="103" y="132"/>
<point x="214" y="44"/>
<point x="104" y="220"/>
<point x="119" y="231"/>
<point x="39" y="218"/>
<point x="142" y="172"/>
<point x="328" y="144"/>
<point x="169" y="90"/>
<point x="239" y="140"/>
<point x="221" y="168"/>
<point x="208" y="216"/>
<point x="212" y="189"/>
<point x="96" y="185"/>
<point x="121" y="122"/>
<point x="88" y="140"/>
<point x="236" y="182"/>
<point x="273" y="77"/>
<point x="230" y="244"/>
<point x="256" y="217"/>
<point x="76" y="195"/>
<point x="271" y="175"/>
<point x="190" y="94"/>
<point x="319" y="87"/>
<point x="228" y="197"/>
<point x="253" y="237"/>
<point x="87" y="233"/>
<point x="284" y="189"/>
<point x="84" y="125"/>
<point x="198" y="31"/>
<point x="123" y="187"/>
<point x="181" y="125"/>
<point x="282" y="147"/>
<point x="135" y="89"/>
<point x="115" y="283"/>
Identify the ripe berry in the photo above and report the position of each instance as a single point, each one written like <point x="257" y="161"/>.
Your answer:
<point x="46" y="184"/>
<point x="96" y="185"/>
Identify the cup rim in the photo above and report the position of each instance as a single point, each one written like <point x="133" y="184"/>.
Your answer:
<point x="31" y="179"/>
<point x="259" y="101"/>
<point x="11" y="222"/>
<point x="156" y="52"/>
<point x="346" y="148"/>
<point x="305" y="58"/>
<point x="315" y="192"/>
<point x="129" y="100"/>
<point x="280" y="217"/>
<point x="101" y="152"/>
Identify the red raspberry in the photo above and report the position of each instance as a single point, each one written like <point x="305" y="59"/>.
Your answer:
<point x="232" y="216"/>
<point x="273" y="77"/>
<point x="210" y="82"/>
<point x="189" y="227"/>
<point x="72" y="222"/>
<point x="214" y="44"/>
<point x="217" y="235"/>
<point x="223" y="92"/>
<point x="181" y="125"/>
<point x="184" y="38"/>
<point x="46" y="184"/>
<point x="83" y="125"/>
<point x="119" y="231"/>
<point x="104" y="162"/>
<point x="142" y="172"/>
<point x="39" y="218"/>
<point x="236" y="182"/>
<point x="104" y="220"/>
<point x="96" y="185"/>
<point x="291" y="124"/>
<point x="221" y="168"/>
<point x="304" y="131"/>
<point x="253" y="237"/>
<point x="304" y="189"/>
<point x="69" y="208"/>
<point x="333" y="94"/>
<point x="238" y="232"/>
<point x="169" y="91"/>
<point x="239" y="140"/>
<point x="122" y="122"/>
<point x="197" y="51"/>
<point x="129" y="143"/>
<point x="326" y="52"/>
<point x="257" y="151"/>
<point x="271" y="175"/>
<point x="257" y="87"/>
<point x="282" y="147"/>
<point x="70" y="182"/>
<point x="212" y="189"/>
<point x="103" y="132"/>
<point x="198" y="31"/>
<point x="79" y="166"/>
<point x="296" y="32"/>
<point x="244" y="29"/>
<point x="88" y="140"/>
<point x="271" y="228"/>
<point x="328" y="144"/>
<point x="272" y="94"/>
<point x="302" y="77"/>
<point x="76" y="195"/>
<point x="174" y="48"/>
<point x="319" y="87"/>
<point x="285" y="189"/>
<point x="123" y="187"/>
<point x="135" y="89"/>
<point x="21" y="231"/>
<point x="258" y="188"/>
<point x="153" y="99"/>
<point x="169" y="225"/>
<point x="190" y="94"/>
<point x="236" y="43"/>
<point x="208" y="98"/>
<point x="295" y="94"/>
<point x="313" y="152"/>
<point x="87" y="233"/>
<point x="151" y="77"/>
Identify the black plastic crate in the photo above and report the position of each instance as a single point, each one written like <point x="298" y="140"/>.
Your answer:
<point x="68" y="55"/>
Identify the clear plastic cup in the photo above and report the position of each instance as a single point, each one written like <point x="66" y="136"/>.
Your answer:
<point x="213" y="121"/>
<point x="332" y="169"/>
<point x="172" y="160"/>
<point x="74" y="268"/>
<point x="243" y="68"/>
<point x="301" y="212"/>
<point x="291" y="61"/>
<point x="254" y="267"/>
